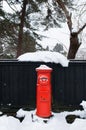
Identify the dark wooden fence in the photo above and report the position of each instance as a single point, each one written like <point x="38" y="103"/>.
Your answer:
<point x="18" y="83"/>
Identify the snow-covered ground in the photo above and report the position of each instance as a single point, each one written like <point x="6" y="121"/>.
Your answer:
<point x="57" y="122"/>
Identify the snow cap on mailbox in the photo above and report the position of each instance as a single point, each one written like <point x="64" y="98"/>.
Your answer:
<point x="43" y="74"/>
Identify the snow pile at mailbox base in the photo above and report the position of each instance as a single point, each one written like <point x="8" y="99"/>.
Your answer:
<point x="45" y="56"/>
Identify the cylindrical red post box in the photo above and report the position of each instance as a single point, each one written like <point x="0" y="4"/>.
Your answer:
<point x="43" y="91"/>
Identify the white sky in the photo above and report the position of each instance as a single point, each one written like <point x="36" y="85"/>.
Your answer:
<point x="53" y="36"/>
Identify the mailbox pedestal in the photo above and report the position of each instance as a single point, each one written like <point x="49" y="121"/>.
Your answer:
<point x="43" y="91"/>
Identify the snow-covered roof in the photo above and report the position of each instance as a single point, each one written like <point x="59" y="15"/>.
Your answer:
<point x="45" y="56"/>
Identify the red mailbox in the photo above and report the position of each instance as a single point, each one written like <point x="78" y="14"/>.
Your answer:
<point x="43" y="91"/>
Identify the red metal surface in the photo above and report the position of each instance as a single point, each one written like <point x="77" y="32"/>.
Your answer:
<point x="43" y="92"/>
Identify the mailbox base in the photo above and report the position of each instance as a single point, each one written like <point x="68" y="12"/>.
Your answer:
<point x="44" y="116"/>
<point x="36" y="118"/>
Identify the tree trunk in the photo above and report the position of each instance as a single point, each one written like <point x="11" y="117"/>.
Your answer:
<point x="74" y="45"/>
<point x="74" y="42"/>
<point x="20" y="36"/>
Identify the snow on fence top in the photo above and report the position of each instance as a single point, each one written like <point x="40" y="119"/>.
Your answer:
<point x="45" y="56"/>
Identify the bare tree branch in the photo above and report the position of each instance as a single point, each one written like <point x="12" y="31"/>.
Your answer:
<point x="67" y="14"/>
<point x="81" y="29"/>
